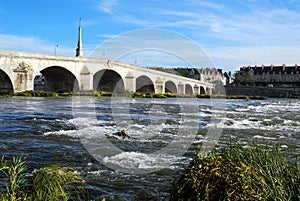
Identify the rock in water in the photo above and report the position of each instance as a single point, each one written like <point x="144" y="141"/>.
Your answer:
<point x="124" y="133"/>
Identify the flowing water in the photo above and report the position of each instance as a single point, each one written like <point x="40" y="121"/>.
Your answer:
<point x="81" y="132"/>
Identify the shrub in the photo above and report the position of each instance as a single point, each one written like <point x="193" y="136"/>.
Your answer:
<point x="37" y="93"/>
<point x="142" y="95"/>
<point x="50" y="183"/>
<point x="47" y="183"/>
<point x="203" y="96"/>
<point x="238" y="173"/>
<point x="159" y="96"/>
<point x="106" y="94"/>
<point x="170" y="95"/>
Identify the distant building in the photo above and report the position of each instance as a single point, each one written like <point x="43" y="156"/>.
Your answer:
<point x="274" y="76"/>
<point x="228" y="77"/>
<point x="207" y="74"/>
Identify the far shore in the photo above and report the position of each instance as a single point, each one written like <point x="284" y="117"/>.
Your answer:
<point x="41" y="93"/>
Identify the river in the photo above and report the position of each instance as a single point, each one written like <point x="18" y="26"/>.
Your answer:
<point x="80" y="132"/>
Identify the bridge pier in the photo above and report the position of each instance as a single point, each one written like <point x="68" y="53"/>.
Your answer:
<point x="196" y="89"/>
<point x="23" y="77"/>
<point x="159" y="88"/>
<point x="86" y="79"/>
<point x="129" y="83"/>
<point x="180" y="88"/>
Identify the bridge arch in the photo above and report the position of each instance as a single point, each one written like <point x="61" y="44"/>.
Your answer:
<point x="109" y="81"/>
<point x="188" y="89"/>
<point x="6" y="86"/>
<point x="170" y="87"/>
<point x="59" y="79"/>
<point x="144" y="84"/>
<point x="202" y="90"/>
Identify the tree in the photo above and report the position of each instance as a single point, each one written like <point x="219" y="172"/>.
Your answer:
<point x="244" y="77"/>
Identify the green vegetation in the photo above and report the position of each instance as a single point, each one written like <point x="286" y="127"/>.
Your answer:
<point x="142" y="95"/>
<point x="244" y="77"/>
<point x="206" y="96"/>
<point x="47" y="183"/>
<point x="239" y="173"/>
<point x="103" y="94"/>
<point x="176" y="71"/>
<point x="41" y="93"/>
<point x="159" y="96"/>
<point x="183" y="72"/>
<point x="170" y="95"/>
<point x="36" y="93"/>
<point x="6" y="95"/>
<point x="152" y="95"/>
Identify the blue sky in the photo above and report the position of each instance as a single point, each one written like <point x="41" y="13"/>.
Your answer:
<point x="232" y="33"/>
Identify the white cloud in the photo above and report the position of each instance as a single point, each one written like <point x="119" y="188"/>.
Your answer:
<point x="31" y="44"/>
<point x="154" y="47"/>
<point x="234" y="33"/>
<point x="232" y="58"/>
<point x="243" y="22"/>
<point x="107" y="6"/>
<point x="208" y="4"/>
<point x="106" y="36"/>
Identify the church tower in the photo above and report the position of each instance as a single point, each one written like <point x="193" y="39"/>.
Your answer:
<point x="79" y="50"/>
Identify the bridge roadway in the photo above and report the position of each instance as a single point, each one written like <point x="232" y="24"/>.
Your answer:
<point x="18" y="71"/>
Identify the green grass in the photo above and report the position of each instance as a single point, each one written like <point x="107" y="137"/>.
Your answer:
<point x="152" y="95"/>
<point x="47" y="183"/>
<point x="103" y="94"/>
<point x="141" y="95"/>
<point x="239" y="173"/>
<point x="203" y="96"/>
<point x="36" y="93"/>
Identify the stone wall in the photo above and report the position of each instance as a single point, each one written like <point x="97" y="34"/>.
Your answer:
<point x="261" y="91"/>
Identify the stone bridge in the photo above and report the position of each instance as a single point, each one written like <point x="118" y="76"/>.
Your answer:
<point x="19" y="72"/>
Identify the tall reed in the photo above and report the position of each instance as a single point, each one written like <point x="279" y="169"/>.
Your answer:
<point x="239" y="173"/>
<point x="47" y="183"/>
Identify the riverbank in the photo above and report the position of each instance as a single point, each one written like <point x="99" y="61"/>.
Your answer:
<point x="232" y="92"/>
<point x="271" y="92"/>
<point x="40" y="93"/>
<point x="239" y="173"/>
<point x="46" y="183"/>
